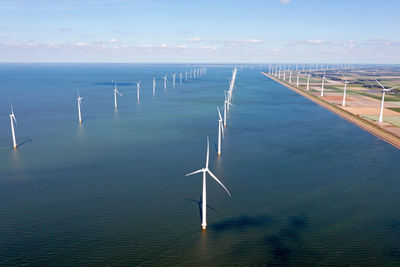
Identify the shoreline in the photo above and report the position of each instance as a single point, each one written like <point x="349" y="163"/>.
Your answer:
<point x="358" y="121"/>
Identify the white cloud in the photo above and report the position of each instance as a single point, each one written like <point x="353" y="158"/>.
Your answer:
<point x="285" y="2"/>
<point x="113" y="40"/>
<point x="194" y="40"/>
<point x="250" y="41"/>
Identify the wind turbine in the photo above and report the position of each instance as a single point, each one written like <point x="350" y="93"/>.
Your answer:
<point x="165" y="82"/>
<point x="180" y="77"/>
<point x="115" y="95"/>
<point x="204" y="198"/>
<point x="298" y="76"/>
<point x="322" y="85"/>
<point x="79" y="107"/>
<point x="344" y="91"/>
<point x="154" y="86"/>
<point x="12" y="117"/>
<point x="220" y="129"/>
<point x="384" y="90"/>
<point x="138" y="90"/>
<point x="308" y="81"/>
<point x="173" y="80"/>
<point x="290" y="76"/>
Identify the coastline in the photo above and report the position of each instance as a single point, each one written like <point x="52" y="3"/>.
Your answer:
<point x="360" y="122"/>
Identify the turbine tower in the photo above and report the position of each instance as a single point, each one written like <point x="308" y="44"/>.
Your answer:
<point x="154" y="86"/>
<point x="138" y="90"/>
<point x="173" y="80"/>
<point x="79" y="107"/>
<point x="220" y="129"/>
<point x="12" y="119"/>
<point x="308" y="81"/>
<point x="322" y="85"/>
<point x="165" y="82"/>
<point x="204" y="198"/>
<point x="115" y="95"/>
<point x="344" y="91"/>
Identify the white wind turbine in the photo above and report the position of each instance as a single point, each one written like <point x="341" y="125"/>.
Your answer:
<point x="298" y="76"/>
<point x="79" y="107"/>
<point x="204" y="198"/>
<point x="308" y="81"/>
<point x="220" y="129"/>
<point x="12" y="119"/>
<point x="384" y="90"/>
<point x="138" y="90"/>
<point x="154" y="86"/>
<point x="115" y="95"/>
<point x="290" y="76"/>
<point x="173" y="80"/>
<point x="344" y="91"/>
<point x="165" y="82"/>
<point x="322" y="85"/>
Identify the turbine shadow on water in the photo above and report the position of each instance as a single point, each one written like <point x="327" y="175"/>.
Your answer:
<point x="199" y="202"/>
<point x="29" y="140"/>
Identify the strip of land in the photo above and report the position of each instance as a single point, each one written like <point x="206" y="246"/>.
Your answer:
<point x="360" y="122"/>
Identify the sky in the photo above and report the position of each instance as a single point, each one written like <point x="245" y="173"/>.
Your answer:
<point x="200" y="31"/>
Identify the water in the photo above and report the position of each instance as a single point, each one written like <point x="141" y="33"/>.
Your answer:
<point x="308" y="188"/>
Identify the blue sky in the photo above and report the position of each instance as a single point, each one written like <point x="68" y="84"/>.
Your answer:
<point x="253" y="31"/>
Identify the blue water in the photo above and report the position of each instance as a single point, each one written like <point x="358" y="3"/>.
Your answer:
<point x="308" y="188"/>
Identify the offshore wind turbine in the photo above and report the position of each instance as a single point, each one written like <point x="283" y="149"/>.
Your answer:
<point x="204" y="198"/>
<point x="165" y="82"/>
<point x="384" y="90"/>
<point x="115" y="95"/>
<point x="138" y="90"/>
<point x="79" y="107"/>
<point x="12" y="119"/>
<point x="173" y="80"/>
<point x="154" y="86"/>
<point x="220" y="129"/>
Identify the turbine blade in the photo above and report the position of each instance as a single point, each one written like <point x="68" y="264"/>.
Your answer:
<point x="216" y="179"/>
<point x="222" y="128"/>
<point x="208" y="153"/>
<point x="380" y="84"/>
<point x="219" y="113"/>
<point x="198" y="171"/>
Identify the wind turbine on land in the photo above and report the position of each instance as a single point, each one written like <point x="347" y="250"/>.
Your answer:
<point x="115" y="95"/>
<point x="154" y="86"/>
<point x="220" y="129"/>
<point x="79" y="107"/>
<point x="290" y="76"/>
<point x="204" y="198"/>
<point x="138" y="90"/>
<point x="12" y="119"/>
<point x="322" y="85"/>
<point x="344" y="91"/>
<point x="384" y="90"/>
<point x="298" y="76"/>
<point x="308" y="81"/>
